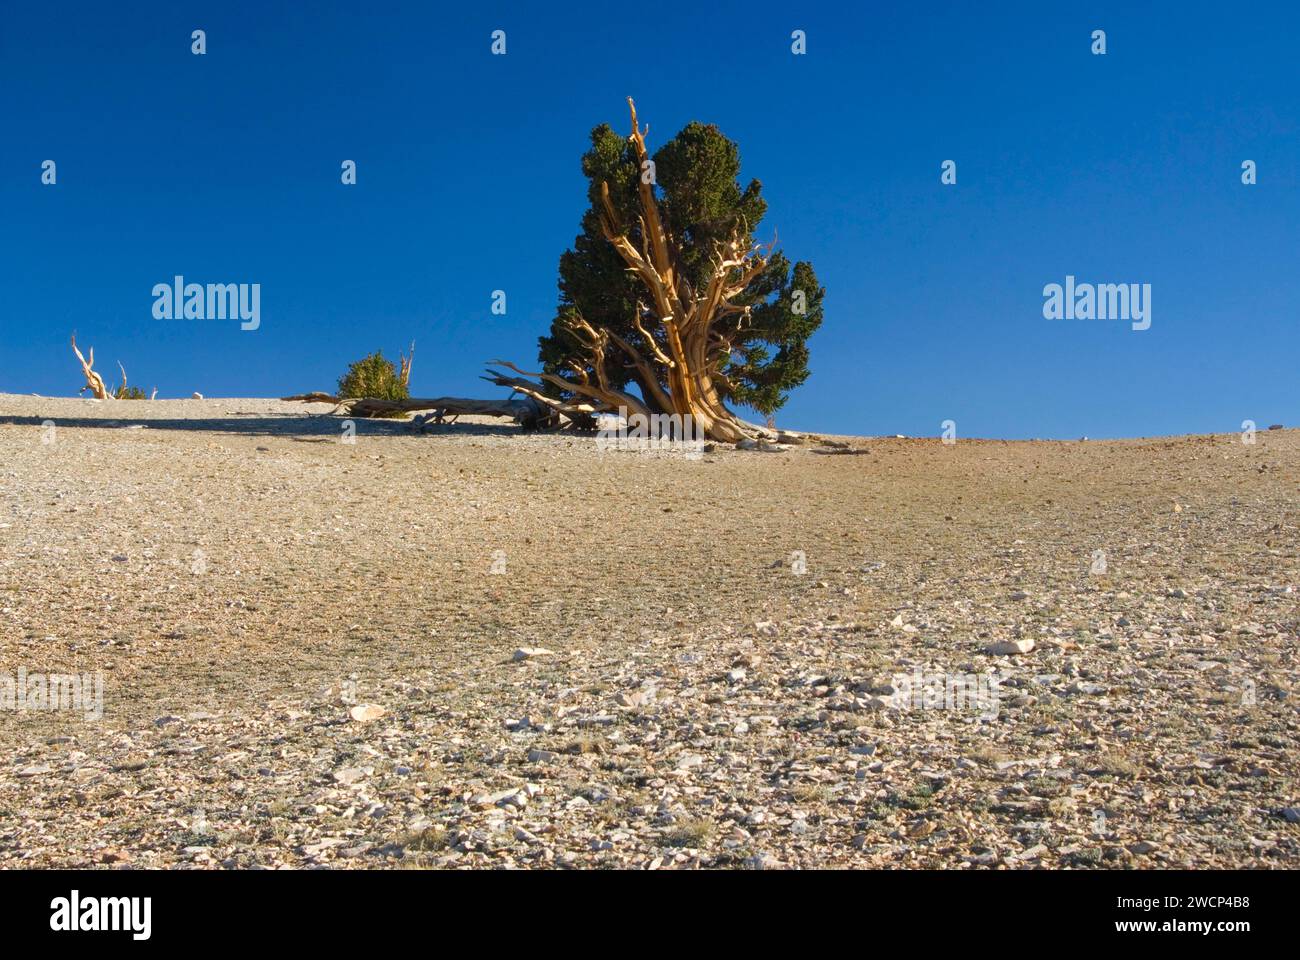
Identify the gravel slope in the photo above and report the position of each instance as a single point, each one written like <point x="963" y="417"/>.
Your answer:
<point x="245" y="583"/>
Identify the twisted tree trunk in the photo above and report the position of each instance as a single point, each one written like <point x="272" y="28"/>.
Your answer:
<point x="94" y="382"/>
<point x="678" y="364"/>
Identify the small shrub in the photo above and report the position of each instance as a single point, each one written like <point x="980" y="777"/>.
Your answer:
<point x="129" y="393"/>
<point x="1087" y="857"/>
<point x="428" y="840"/>
<point x="692" y="833"/>
<point x="987" y="756"/>
<point x="375" y="377"/>
<point x="1059" y="807"/>
<point x="1119" y="767"/>
<point x="584" y="743"/>
<point x="918" y="798"/>
<point x="812" y="793"/>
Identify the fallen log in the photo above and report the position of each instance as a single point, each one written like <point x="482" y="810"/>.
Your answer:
<point x="445" y="406"/>
<point x="312" y="398"/>
<point x="528" y="412"/>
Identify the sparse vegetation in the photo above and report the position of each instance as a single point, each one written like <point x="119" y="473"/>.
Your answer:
<point x="1119" y="766"/>
<point x="689" y="833"/>
<point x="428" y="840"/>
<point x="374" y="377"/>
<point x="583" y="743"/>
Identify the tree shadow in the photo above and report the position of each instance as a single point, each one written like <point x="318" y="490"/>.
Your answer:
<point x="292" y="426"/>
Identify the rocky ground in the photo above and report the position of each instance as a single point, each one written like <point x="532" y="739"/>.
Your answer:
<point x="472" y="648"/>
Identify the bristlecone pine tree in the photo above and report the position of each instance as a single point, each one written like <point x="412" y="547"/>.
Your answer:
<point x="667" y="290"/>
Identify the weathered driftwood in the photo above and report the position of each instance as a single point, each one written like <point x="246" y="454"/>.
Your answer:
<point x="406" y="359"/>
<point x="94" y="382"/>
<point x="315" y="397"/>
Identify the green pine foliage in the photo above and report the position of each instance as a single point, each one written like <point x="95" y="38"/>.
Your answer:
<point x="701" y="201"/>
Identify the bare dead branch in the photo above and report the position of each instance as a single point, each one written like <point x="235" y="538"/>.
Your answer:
<point x="94" y="382"/>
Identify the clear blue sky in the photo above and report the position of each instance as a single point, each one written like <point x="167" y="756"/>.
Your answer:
<point x="225" y="168"/>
